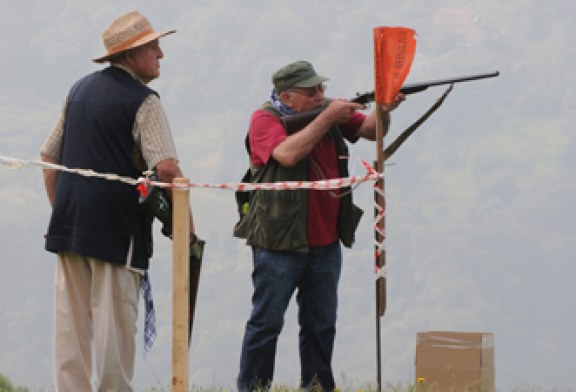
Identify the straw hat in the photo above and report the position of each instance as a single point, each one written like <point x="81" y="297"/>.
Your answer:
<point x="127" y="32"/>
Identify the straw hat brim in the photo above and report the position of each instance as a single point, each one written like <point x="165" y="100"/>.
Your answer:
<point x="142" y="41"/>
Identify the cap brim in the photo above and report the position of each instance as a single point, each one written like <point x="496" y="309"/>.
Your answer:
<point x="313" y="81"/>
<point x="140" y="42"/>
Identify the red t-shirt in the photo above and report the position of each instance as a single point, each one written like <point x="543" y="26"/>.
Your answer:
<point x="266" y="133"/>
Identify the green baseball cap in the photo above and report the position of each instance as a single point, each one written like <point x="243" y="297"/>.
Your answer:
<point x="298" y="74"/>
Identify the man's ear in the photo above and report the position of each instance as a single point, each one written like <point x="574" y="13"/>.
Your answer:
<point x="129" y="55"/>
<point x="285" y="97"/>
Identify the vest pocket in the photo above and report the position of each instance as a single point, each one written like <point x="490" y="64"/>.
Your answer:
<point x="280" y="222"/>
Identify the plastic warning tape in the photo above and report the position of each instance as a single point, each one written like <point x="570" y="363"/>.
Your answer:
<point x="329" y="184"/>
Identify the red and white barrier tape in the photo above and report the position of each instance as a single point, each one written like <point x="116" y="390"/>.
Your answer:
<point x="380" y="272"/>
<point x="380" y="245"/>
<point x="330" y="184"/>
<point x="379" y="221"/>
<point x="14" y="163"/>
<point x="144" y="183"/>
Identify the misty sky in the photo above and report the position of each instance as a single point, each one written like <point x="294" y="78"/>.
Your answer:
<point x="480" y="220"/>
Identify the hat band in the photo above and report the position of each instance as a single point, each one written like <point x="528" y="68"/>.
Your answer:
<point x="127" y="44"/>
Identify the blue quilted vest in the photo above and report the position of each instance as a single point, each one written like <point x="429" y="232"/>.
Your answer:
<point x="96" y="217"/>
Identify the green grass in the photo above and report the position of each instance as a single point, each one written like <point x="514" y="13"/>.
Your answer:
<point x="282" y="388"/>
<point x="359" y="387"/>
<point x="343" y="385"/>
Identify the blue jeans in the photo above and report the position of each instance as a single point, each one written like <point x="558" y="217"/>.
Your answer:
<point x="275" y="277"/>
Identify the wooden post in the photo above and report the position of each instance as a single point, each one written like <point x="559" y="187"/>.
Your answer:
<point x="180" y="284"/>
<point x="379" y="198"/>
<point x="393" y="53"/>
<point x="379" y="254"/>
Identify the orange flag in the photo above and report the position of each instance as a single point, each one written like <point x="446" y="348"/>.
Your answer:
<point x="393" y="54"/>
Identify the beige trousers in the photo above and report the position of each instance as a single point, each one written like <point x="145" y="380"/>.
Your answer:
<point x="96" y="305"/>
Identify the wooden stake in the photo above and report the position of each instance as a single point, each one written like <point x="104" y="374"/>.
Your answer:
<point x="180" y="284"/>
<point x="379" y="255"/>
<point x="381" y="258"/>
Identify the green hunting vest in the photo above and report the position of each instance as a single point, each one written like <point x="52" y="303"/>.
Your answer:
<point x="277" y="220"/>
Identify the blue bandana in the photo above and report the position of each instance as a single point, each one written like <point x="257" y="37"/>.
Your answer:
<point x="278" y="105"/>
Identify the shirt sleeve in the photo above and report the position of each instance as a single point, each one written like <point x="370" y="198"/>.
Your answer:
<point x="52" y="146"/>
<point x="266" y="133"/>
<point x="152" y="132"/>
<point x="352" y="126"/>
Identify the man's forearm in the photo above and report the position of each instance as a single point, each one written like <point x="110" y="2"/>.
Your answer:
<point x="50" y="178"/>
<point x="368" y="128"/>
<point x="300" y="144"/>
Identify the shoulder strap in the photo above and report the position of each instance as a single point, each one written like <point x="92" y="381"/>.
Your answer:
<point x="391" y="149"/>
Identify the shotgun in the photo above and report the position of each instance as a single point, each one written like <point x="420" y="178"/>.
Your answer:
<point x="295" y="122"/>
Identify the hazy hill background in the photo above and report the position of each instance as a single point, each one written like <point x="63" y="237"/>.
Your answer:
<point x="481" y="221"/>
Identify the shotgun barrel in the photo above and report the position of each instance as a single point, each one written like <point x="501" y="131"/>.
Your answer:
<point x="295" y="122"/>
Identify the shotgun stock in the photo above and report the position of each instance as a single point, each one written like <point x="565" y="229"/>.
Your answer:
<point x="295" y="122"/>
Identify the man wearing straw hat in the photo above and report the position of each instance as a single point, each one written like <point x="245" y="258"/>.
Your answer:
<point x="110" y="122"/>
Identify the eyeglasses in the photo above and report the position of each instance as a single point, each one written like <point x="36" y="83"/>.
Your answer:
<point x="310" y="91"/>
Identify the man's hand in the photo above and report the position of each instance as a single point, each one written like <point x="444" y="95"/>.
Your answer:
<point x="339" y="111"/>
<point x="167" y="170"/>
<point x="398" y="99"/>
<point x="368" y="128"/>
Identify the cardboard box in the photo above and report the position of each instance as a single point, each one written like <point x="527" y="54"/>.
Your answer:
<point x="454" y="361"/>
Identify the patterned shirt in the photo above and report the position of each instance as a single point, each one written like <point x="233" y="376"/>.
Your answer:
<point x="151" y="132"/>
